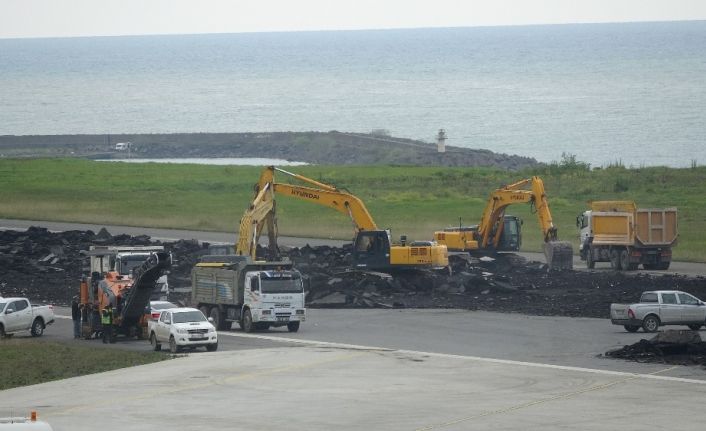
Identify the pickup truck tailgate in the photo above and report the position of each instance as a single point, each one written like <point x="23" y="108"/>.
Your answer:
<point x="619" y="311"/>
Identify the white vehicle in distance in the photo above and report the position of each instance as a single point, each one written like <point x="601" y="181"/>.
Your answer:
<point x="182" y="328"/>
<point x="19" y="315"/>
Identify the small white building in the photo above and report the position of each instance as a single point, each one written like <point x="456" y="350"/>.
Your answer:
<point x="123" y="146"/>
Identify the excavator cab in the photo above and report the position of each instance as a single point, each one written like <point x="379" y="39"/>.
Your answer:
<point x="372" y="249"/>
<point x="511" y="236"/>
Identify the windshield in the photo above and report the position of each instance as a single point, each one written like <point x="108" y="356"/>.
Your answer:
<point x="281" y="282"/>
<point x="128" y="263"/>
<point x="163" y="306"/>
<point x="188" y="316"/>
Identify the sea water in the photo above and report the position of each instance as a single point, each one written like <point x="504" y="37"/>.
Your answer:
<point x="607" y="93"/>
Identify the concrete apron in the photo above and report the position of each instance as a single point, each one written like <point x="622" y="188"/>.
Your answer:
<point x="324" y="387"/>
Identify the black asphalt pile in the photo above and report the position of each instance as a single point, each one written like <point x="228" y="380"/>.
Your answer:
<point x="505" y="283"/>
<point x="47" y="267"/>
<point x="675" y="347"/>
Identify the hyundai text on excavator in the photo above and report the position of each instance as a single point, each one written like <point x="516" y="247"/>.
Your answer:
<point x="122" y="278"/>
<point x="498" y="232"/>
<point x="373" y="248"/>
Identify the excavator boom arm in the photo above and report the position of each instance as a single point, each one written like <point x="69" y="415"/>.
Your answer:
<point x="340" y="201"/>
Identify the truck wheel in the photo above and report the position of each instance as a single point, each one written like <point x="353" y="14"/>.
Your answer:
<point x="650" y="323"/>
<point x="615" y="259"/>
<point x="694" y="327"/>
<point x="631" y="328"/>
<point x="247" y="321"/>
<point x="212" y="347"/>
<point x="590" y="263"/>
<point x="37" y="327"/>
<point x="293" y="326"/>
<point x="173" y="348"/>
<point x="155" y="345"/>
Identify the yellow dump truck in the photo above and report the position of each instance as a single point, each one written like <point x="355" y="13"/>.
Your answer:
<point x="626" y="236"/>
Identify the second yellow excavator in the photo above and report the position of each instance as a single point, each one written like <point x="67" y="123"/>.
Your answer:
<point x="373" y="248"/>
<point x="498" y="232"/>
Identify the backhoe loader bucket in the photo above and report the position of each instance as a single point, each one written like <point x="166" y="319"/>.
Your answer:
<point x="559" y="255"/>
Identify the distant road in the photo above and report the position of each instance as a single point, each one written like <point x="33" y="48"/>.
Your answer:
<point x="686" y="268"/>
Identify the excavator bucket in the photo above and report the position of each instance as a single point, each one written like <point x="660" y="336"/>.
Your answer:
<point x="559" y="255"/>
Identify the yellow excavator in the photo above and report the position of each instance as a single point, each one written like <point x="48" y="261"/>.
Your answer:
<point x="498" y="232"/>
<point x="373" y="248"/>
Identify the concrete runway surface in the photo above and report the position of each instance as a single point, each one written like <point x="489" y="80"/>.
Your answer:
<point x="346" y="388"/>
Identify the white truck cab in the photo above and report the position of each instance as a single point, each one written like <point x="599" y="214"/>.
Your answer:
<point x="274" y="298"/>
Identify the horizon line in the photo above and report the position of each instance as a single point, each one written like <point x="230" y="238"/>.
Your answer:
<point x="381" y="29"/>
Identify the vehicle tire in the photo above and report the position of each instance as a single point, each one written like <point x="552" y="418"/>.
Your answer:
<point x="590" y="263"/>
<point x="615" y="259"/>
<point x="212" y="347"/>
<point x="247" y="321"/>
<point x="2" y="332"/>
<point x="173" y="348"/>
<point x="155" y="345"/>
<point x="215" y="314"/>
<point x="631" y="328"/>
<point x="694" y="327"/>
<point x="37" y="327"/>
<point x="293" y="326"/>
<point x="650" y="323"/>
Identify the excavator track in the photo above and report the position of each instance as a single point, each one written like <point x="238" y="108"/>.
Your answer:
<point x="559" y="255"/>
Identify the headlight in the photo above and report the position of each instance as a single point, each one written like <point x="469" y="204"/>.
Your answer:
<point x="211" y="329"/>
<point x="266" y="312"/>
<point x="300" y="311"/>
<point x="182" y="331"/>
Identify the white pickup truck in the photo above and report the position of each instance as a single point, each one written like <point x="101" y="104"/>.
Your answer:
<point x="19" y="315"/>
<point x="660" y="307"/>
<point x="182" y="328"/>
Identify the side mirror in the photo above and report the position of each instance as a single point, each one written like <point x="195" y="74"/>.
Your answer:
<point x="210" y="320"/>
<point x="9" y="311"/>
<point x="167" y="322"/>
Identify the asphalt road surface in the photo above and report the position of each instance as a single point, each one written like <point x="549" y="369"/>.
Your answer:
<point x="562" y="341"/>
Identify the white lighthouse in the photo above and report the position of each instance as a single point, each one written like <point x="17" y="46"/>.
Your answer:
<point x="441" y="141"/>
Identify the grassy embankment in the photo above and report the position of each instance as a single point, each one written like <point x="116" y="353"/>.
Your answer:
<point x="28" y="361"/>
<point x="411" y="200"/>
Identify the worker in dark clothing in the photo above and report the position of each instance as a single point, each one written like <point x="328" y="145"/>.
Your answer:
<point x="76" y="317"/>
<point x="107" y="323"/>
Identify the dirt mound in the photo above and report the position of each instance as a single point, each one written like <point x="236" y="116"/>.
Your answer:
<point x="47" y="267"/>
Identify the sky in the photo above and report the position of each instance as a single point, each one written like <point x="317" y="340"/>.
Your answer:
<point x="69" y="18"/>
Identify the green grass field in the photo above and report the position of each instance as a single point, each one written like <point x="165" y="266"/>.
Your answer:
<point x="28" y="361"/>
<point x="410" y="200"/>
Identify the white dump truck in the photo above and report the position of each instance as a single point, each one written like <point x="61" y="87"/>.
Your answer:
<point x="255" y="294"/>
